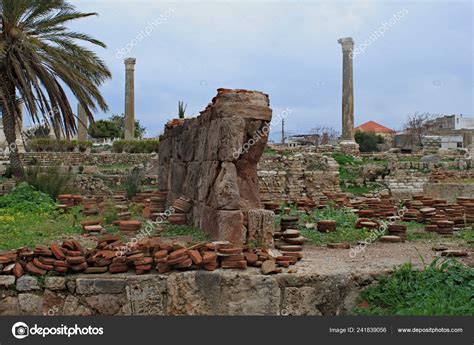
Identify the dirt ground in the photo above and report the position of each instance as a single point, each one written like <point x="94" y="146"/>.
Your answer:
<point x="376" y="257"/>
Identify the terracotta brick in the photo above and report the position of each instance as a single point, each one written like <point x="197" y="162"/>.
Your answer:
<point x="211" y="266"/>
<point x="251" y="258"/>
<point x="78" y="268"/>
<point x="242" y="264"/>
<point x="195" y="256"/>
<point x="59" y="263"/>
<point x="143" y="267"/>
<point x="35" y="270"/>
<point x="75" y="260"/>
<point x="146" y="261"/>
<point x="46" y="261"/>
<point x="178" y="260"/>
<point x="118" y="268"/>
<point x="73" y="253"/>
<point x="184" y="264"/>
<point x="42" y="266"/>
<point x="209" y="257"/>
<point x="18" y="270"/>
<point x="232" y="258"/>
<point x="61" y="269"/>
<point x="160" y="254"/>
<point x="92" y="270"/>
<point x="230" y="251"/>
<point x="8" y="257"/>
<point x="163" y="268"/>
<point x="57" y="252"/>
<point x="178" y="253"/>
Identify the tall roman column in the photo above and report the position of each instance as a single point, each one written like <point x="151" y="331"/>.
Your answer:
<point x="130" y="98"/>
<point x="19" y="129"/>
<point x="347" y="89"/>
<point x="81" y="123"/>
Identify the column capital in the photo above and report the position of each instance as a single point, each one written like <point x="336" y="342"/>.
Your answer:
<point x="347" y="44"/>
<point x="130" y="63"/>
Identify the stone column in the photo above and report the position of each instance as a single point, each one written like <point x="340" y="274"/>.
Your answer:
<point x="347" y="89"/>
<point x="19" y="129"/>
<point x="82" y="123"/>
<point x="130" y="98"/>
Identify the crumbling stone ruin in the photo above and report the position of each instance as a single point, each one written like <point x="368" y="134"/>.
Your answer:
<point x="212" y="159"/>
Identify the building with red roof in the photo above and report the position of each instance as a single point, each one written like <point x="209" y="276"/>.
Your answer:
<point x="374" y="127"/>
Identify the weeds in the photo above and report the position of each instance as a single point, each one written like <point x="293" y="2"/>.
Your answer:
<point x="50" y="180"/>
<point x="441" y="288"/>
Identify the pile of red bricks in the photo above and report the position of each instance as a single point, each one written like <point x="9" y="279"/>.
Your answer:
<point x="111" y="255"/>
<point x="67" y="201"/>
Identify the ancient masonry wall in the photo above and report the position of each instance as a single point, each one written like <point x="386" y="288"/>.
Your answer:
<point x="212" y="159"/>
<point x="292" y="176"/>
<point x="407" y="179"/>
<point x="86" y="159"/>
<point x="188" y="293"/>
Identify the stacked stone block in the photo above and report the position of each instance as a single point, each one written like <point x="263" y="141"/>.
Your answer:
<point x="212" y="159"/>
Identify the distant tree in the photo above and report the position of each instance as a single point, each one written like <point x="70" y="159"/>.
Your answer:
<point x="104" y="129"/>
<point x="418" y="125"/>
<point x="38" y="132"/>
<point x="324" y="134"/>
<point x="114" y="127"/>
<point x="368" y="141"/>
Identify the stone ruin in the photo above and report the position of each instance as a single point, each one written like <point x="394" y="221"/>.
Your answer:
<point x="212" y="159"/>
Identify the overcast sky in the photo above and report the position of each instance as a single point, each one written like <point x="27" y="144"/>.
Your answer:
<point x="419" y="60"/>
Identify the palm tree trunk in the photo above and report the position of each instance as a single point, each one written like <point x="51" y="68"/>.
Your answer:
<point x="9" y="124"/>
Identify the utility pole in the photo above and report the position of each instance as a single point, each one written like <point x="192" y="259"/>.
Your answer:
<point x="283" y="132"/>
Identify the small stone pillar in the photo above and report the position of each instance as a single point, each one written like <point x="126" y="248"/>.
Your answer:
<point x="261" y="227"/>
<point x="347" y="89"/>
<point x="82" y="123"/>
<point x="130" y="98"/>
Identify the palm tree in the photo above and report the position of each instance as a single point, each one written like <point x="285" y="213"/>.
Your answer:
<point x="39" y="56"/>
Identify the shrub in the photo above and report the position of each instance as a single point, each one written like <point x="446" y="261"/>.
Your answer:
<point x="53" y="145"/>
<point x="368" y="141"/>
<point x="135" y="146"/>
<point x="133" y="182"/>
<point x="26" y="198"/>
<point x="50" y="180"/>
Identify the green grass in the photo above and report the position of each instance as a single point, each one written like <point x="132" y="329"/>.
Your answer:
<point x="341" y="235"/>
<point x="269" y="152"/>
<point x="28" y="229"/>
<point x="349" y="172"/>
<point x="408" y="159"/>
<point x="182" y="230"/>
<point x="345" y="221"/>
<point x="105" y="167"/>
<point x="357" y="190"/>
<point x="442" y="288"/>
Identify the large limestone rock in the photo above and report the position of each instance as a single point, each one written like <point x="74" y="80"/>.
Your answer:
<point x="213" y="158"/>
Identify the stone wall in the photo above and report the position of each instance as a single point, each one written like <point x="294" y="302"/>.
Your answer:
<point x="86" y="159"/>
<point x="404" y="184"/>
<point x="212" y="159"/>
<point x="187" y="293"/>
<point x="408" y="178"/>
<point x="449" y="191"/>
<point x="296" y="174"/>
